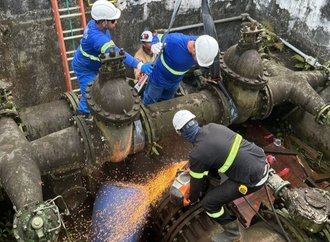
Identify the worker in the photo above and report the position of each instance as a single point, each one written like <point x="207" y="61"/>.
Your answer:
<point x="217" y="148"/>
<point x="144" y="53"/>
<point x="96" y="40"/>
<point x="179" y="53"/>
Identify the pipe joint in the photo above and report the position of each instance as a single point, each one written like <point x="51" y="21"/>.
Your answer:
<point x="323" y="117"/>
<point x="71" y="99"/>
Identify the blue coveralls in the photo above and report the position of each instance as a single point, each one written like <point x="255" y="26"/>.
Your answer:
<point x="170" y="68"/>
<point x="86" y="63"/>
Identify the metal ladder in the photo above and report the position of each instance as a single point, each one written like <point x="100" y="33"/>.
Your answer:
<point x="71" y="34"/>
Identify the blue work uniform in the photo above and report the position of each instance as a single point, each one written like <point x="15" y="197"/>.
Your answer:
<point x="86" y="63"/>
<point x="170" y="68"/>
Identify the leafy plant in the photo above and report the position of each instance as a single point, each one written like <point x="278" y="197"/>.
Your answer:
<point x="270" y="41"/>
<point x="302" y="64"/>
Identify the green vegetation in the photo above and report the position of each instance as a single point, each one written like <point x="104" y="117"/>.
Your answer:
<point x="6" y="226"/>
<point x="302" y="64"/>
<point x="270" y="41"/>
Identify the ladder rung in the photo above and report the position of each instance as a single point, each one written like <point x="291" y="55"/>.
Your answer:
<point x="68" y="9"/>
<point x="73" y="37"/>
<point x="71" y="72"/>
<point x="73" y="78"/>
<point x="72" y="30"/>
<point x="70" y="58"/>
<point x="70" y="52"/>
<point x="70" y="15"/>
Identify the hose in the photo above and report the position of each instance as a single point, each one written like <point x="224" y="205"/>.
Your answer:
<point x="276" y="216"/>
<point x="262" y="218"/>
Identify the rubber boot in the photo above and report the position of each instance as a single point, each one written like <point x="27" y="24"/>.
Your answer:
<point x="231" y="233"/>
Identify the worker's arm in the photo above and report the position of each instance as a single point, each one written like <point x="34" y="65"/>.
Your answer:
<point x="103" y="44"/>
<point x="156" y="43"/>
<point x="198" y="173"/>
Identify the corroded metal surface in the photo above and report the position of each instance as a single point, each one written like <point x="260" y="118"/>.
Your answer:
<point x="19" y="173"/>
<point x="118" y="139"/>
<point x="296" y="87"/>
<point x="309" y="207"/>
<point x="46" y="118"/>
<point x="60" y="151"/>
<point x="207" y="105"/>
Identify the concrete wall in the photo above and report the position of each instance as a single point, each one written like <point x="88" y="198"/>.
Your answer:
<point x="29" y="52"/>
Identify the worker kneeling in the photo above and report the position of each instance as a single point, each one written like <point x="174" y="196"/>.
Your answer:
<point x="216" y="147"/>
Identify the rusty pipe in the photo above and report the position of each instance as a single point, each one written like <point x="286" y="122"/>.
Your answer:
<point x="19" y="173"/>
<point x="296" y="87"/>
<point x="118" y="141"/>
<point x="60" y="151"/>
<point x="43" y="119"/>
<point x="208" y="105"/>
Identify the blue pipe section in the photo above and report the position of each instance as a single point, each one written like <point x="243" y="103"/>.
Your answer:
<point x="114" y="207"/>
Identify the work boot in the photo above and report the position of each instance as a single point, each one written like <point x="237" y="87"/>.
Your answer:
<point x="231" y="233"/>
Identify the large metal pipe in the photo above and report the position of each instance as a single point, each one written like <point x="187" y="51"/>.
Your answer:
<point x="46" y="118"/>
<point x="60" y="151"/>
<point x="19" y="173"/>
<point x="296" y="87"/>
<point x="116" y="214"/>
<point x="314" y="134"/>
<point x="242" y="17"/>
<point x="207" y="105"/>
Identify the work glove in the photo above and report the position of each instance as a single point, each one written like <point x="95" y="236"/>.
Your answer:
<point x="156" y="48"/>
<point x="147" y="68"/>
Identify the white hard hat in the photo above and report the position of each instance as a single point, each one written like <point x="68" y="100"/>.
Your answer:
<point x="181" y="118"/>
<point x="206" y="50"/>
<point x="146" y="36"/>
<point x="102" y="9"/>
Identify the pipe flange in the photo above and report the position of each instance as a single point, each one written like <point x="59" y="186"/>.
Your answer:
<point x="112" y="118"/>
<point x="225" y="117"/>
<point x="147" y="126"/>
<point x="11" y="114"/>
<point x="323" y="116"/>
<point x="266" y="103"/>
<point x="72" y="99"/>
<point x="258" y="83"/>
<point x="86" y="139"/>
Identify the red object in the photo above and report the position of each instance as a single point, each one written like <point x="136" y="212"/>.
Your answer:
<point x="269" y="137"/>
<point x="61" y="41"/>
<point x="270" y="159"/>
<point x="283" y="172"/>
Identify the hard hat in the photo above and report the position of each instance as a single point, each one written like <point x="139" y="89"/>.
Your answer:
<point x="102" y="9"/>
<point x="146" y="36"/>
<point x="181" y="118"/>
<point x="206" y="50"/>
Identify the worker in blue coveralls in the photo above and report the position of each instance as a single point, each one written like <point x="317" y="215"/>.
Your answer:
<point x="97" y="40"/>
<point x="178" y="55"/>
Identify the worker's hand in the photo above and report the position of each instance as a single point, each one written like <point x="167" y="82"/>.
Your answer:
<point x="147" y="68"/>
<point x="156" y="48"/>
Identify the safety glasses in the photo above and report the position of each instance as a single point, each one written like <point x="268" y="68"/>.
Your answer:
<point x="113" y="21"/>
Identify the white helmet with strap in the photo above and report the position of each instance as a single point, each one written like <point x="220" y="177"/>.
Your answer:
<point x="206" y="50"/>
<point x="181" y="118"/>
<point x="104" y="10"/>
<point x="146" y="36"/>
